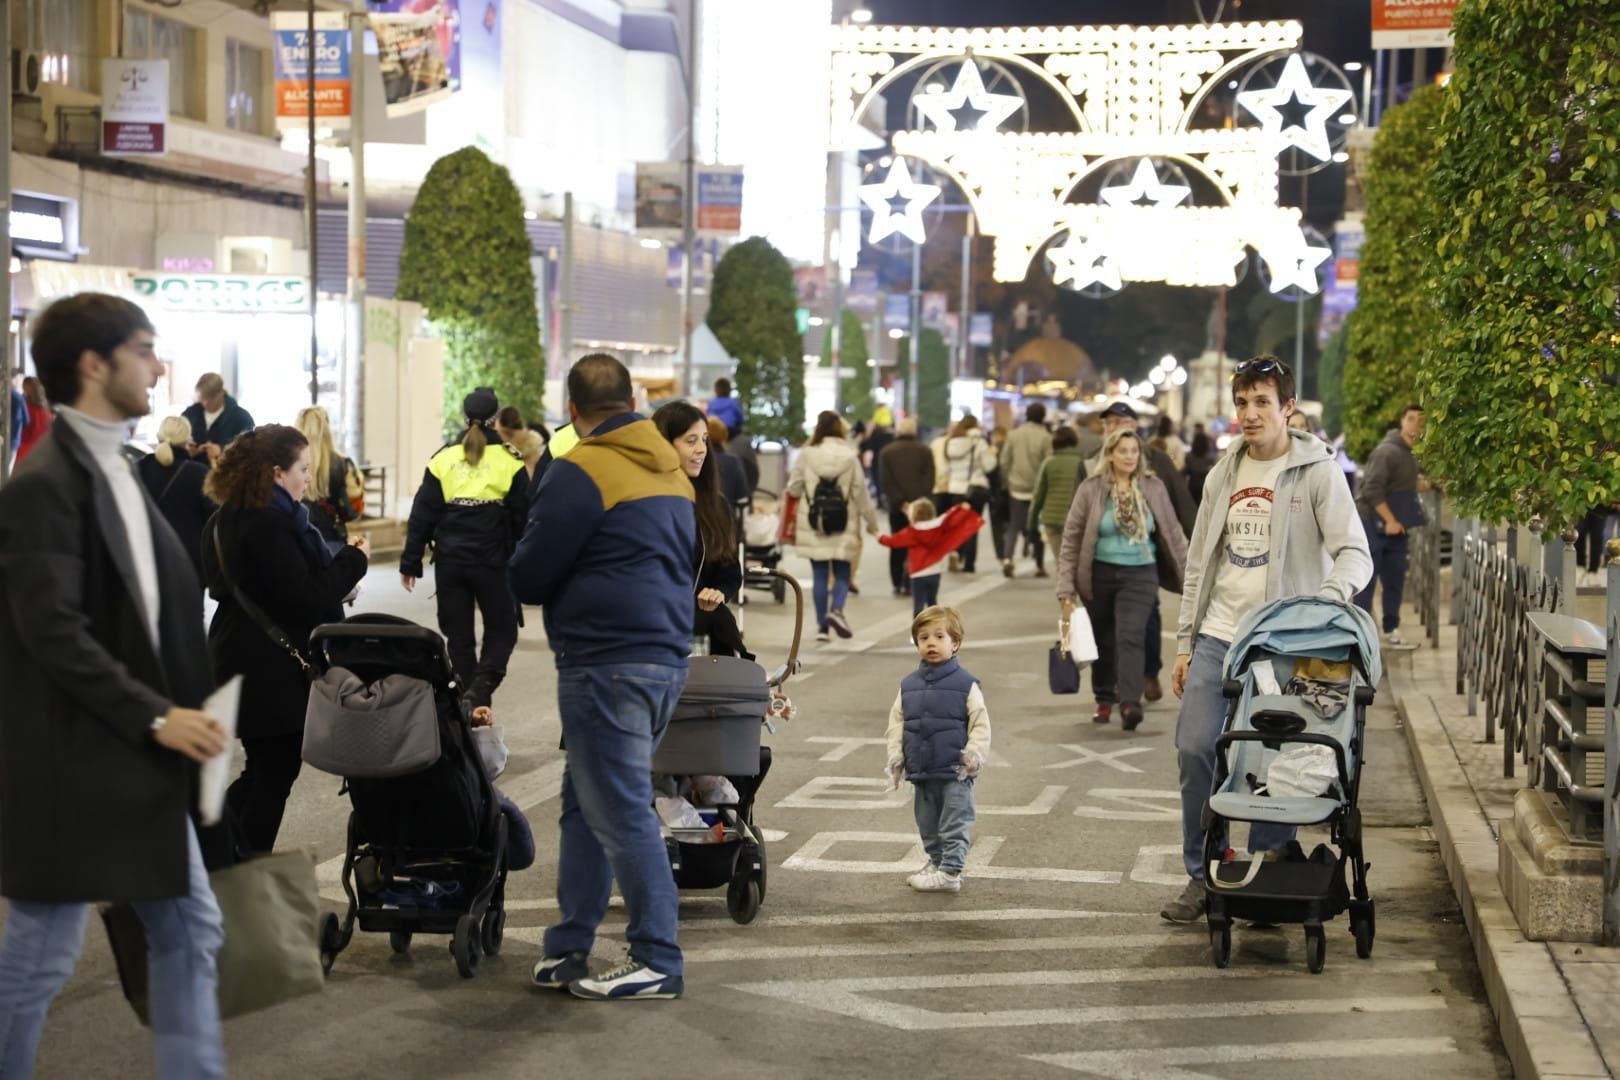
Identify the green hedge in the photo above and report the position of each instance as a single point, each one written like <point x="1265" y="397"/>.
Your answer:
<point x="752" y="311"/>
<point x="934" y="388"/>
<point x="857" y="397"/>
<point x="1522" y="410"/>
<point x="466" y="261"/>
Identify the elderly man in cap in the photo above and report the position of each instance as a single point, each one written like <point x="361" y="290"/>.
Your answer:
<point x="1121" y="415"/>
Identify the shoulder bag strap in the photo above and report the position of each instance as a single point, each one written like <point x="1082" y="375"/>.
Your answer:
<point x="177" y="467"/>
<point x="256" y="613"/>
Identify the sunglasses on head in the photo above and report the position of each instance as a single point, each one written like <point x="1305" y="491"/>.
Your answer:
<point x="1265" y="366"/>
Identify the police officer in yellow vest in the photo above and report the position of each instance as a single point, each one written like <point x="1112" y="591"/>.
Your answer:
<point x="471" y="506"/>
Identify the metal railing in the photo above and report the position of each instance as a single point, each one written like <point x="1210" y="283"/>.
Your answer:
<point x="1572" y="751"/>
<point x="1424" y="567"/>
<point x="1611" y="749"/>
<point x="376" y="484"/>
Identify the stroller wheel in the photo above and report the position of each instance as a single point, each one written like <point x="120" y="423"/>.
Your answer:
<point x="742" y="900"/>
<point x="494" y="930"/>
<point x="1220" y="944"/>
<point x="1362" y="925"/>
<point x="1315" y="949"/>
<point x="331" y="941"/>
<point x="400" y="941"/>
<point x="464" y="946"/>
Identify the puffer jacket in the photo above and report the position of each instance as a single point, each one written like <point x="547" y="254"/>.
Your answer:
<point x="1054" y="487"/>
<point x="962" y="462"/>
<point x="831" y="459"/>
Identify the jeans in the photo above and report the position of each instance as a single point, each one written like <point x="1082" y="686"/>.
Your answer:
<point x="820" y="571"/>
<point x="944" y="810"/>
<point x="1017" y="525"/>
<point x="1389" y="566"/>
<point x="613" y="716"/>
<point x="1122" y="598"/>
<point x="460" y="588"/>
<point x="183" y="936"/>
<point x="258" y="798"/>
<point x="924" y="593"/>
<point x="1202" y="720"/>
<point x="897" y="556"/>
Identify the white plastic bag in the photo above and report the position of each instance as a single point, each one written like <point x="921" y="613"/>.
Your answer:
<point x="713" y="791"/>
<point x="679" y="814"/>
<point x="1082" y="644"/>
<point x="491" y="749"/>
<point x="1305" y="770"/>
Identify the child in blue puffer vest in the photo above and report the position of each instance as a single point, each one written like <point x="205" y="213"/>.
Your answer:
<point x="939" y="739"/>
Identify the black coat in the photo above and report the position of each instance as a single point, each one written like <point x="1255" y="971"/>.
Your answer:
<point x="233" y="421"/>
<point x="91" y="807"/>
<point x="178" y="491"/>
<point x="271" y="563"/>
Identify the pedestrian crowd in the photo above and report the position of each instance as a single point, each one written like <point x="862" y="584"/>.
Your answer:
<point x="103" y="567"/>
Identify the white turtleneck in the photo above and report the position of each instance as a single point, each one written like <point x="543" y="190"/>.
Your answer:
<point x="105" y="441"/>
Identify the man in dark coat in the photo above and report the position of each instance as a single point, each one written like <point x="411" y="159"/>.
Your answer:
<point x="104" y="665"/>
<point x="905" y="471"/>
<point x="215" y="419"/>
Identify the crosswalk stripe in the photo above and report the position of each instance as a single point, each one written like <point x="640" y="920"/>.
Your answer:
<point x="1166" y="1063"/>
<point x="946" y="948"/>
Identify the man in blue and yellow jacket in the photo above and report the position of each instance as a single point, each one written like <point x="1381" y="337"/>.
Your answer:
<point x="610" y="552"/>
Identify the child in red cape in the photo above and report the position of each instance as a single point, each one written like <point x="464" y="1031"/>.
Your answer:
<point x="930" y="539"/>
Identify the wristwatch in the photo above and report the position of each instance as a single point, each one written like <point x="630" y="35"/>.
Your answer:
<point x="158" y="724"/>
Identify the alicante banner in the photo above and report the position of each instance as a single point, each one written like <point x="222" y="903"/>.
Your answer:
<point x="1412" y="24"/>
<point x="331" y="48"/>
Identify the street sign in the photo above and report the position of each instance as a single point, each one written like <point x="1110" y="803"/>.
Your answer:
<point x="1412" y="24"/>
<point x="134" y="107"/>
<point x="292" y="70"/>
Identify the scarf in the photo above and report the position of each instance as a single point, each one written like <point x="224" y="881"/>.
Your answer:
<point x="311" y="537"/>
<point x="1130" y="511"/>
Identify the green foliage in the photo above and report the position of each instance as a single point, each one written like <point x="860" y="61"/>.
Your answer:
<point x="751" y="311"/>
<point x="1521" y="420"/>
<point x="466" y="260"/>
<point x="1330" y="374"/>
<point x="934" y="388"/>
<point x="1395" y="313"/>
<point x="857" y="392"/>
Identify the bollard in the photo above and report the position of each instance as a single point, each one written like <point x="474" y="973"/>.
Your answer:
<point x="1611" y="747"/>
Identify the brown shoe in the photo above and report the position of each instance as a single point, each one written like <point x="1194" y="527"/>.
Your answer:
<point x="1151" y="690"/>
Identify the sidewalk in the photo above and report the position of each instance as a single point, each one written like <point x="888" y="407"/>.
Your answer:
<point x="1557" y="1004"/>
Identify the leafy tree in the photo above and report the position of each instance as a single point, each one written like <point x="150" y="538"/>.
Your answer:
<point x="466" y="260"/>
<point x="752" y="311"/>
<point x="1517" y="381"/>
<point x="1331" y="376"/>
<point x="857" y="393"/>
<point x="934" y="387"/>
<point x="1395" y="313"/>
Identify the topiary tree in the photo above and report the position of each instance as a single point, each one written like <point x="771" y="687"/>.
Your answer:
<point x="1330" y="374"/>
<point x="466" y="260"/>
<point x="1522" y="414"/>
<point x="1395" y="313"/>
<point x="856" y="399"/>
<point x="934" y="388"/>
<point x="752" y="311"/>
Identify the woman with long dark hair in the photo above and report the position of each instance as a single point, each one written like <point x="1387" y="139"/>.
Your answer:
<point x="272" y="573"/>
<point x="471" y="507"/>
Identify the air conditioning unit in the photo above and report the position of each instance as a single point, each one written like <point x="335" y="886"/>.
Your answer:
<point x="27" y="66"/>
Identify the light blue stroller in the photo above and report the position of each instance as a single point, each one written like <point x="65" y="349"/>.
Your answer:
<point x="1299" y="677"/>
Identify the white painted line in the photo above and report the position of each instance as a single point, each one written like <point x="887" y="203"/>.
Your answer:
<point x="1130" y="804"/>
<point x="843" y="747"/>
<point x="1165" y="1064"/>
<point x="812" y="857"/>
<point x="1044" y="803"/>
<point x="1159" y="864"/>
<point x="845" y="793"/>
<point x="881" y="918"/>
<point x="825" y="656"/>
<point x="1086" y="755"/>
<point x="999" y="944"/>
<point x="981" y="643"/>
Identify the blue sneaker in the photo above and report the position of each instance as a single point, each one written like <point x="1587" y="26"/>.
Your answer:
<point x="631" y="979"/>
<point x="556" y="972"/>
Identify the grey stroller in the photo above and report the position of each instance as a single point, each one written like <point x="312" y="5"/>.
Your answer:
<point x="1299" y="677"/>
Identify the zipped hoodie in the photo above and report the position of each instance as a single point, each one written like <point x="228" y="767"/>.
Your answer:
<point x="610" y="550"/>
<point x="1318" y="546"/>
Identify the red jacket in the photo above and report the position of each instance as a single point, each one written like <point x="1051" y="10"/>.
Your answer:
<point x="39" y="422"/>
<point x="931" y="544"/>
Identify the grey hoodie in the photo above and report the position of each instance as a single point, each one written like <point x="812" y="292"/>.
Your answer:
<point x="1318" y="547"/>
<point x="1391" y="470"/>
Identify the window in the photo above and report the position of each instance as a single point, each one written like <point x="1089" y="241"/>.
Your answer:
<point x="152" y="37"/>
<point x="64" y="31"/>
<point x="245" y="104"/>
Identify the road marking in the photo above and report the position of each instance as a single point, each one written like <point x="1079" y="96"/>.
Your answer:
<point x="1087" y="755"/>
<point x="843" y="747"/>
<point x="1151" y="862"/>
<point x="1044" y="803"/>
<point x="845" y="793"/>
<point x="811" y="857"/>
<point x="1165" y="1064"/>
<point x="881" y="918"/>
<point x="980" y="643"/>
<point x="999" y="944"/>
<point x="825" y="656"/>
<point x="1130" y="797"/>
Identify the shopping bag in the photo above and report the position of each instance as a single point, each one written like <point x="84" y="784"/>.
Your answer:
<point x="1082" y="643"/>
<point x="1062" y="675"/>
<point x="789" y="533"/>
<point x="272" y="936"/>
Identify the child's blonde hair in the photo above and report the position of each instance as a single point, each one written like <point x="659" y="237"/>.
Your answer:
<point x="937" y="614"/>
<point x="921" y="509"/>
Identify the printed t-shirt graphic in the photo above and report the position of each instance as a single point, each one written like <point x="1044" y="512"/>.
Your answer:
<point x="1240" y="576"/>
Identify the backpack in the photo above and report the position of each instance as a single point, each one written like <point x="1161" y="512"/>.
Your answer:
<point x="829" y="510"/>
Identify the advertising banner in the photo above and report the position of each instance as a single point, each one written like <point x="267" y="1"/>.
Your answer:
<point x="447" y="18"/>
<point x="134" y="107"/>
<point x="331" y="49"/>
<point x="411" y="55"/>
<point x="1348" y="236"/>
<point x="980" y="329"/>
<point x="1412" y="24"/>
<point x="934" y="307"/>
<point x="897" y="312"/>
<point x="661" y="199"/>
<point x="861" y="296"/>
<point x="719" y="202"/>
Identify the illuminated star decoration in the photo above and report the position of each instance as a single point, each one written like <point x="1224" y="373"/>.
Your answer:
<point x="1309" y="108"/>
<point x="1081" y="263"/>
<point x="897" y="204"/>
<point x="1291" y="260"/>
<point x="968" y="106"/>
<point x="1145" y="189"/>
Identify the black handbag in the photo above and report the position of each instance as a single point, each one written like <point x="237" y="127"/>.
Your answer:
<point x="1062" y="673"/>
<point x="1164" y="561"/>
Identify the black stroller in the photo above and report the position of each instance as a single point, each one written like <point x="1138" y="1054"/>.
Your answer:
<point x="426" y="852"/>
<point x="715" y="732"/>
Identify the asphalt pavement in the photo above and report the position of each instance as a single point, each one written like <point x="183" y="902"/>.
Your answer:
<point x="1052" y="960"/>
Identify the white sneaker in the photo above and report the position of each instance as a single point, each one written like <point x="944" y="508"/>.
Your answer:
<point x="937" y="881"/>
<point x="1394" y="640"/>
<point x="926" y="871"/>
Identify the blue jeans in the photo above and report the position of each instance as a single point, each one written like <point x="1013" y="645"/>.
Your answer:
<point x="1389" y="554"/>
<point x="1202" y="720"/>
<point x="924" y="592"/>
<point x="944" y="810"/>
<point x="613" y="716"/>
<point x="838" y="571"/>
<point x="183" y="936"/>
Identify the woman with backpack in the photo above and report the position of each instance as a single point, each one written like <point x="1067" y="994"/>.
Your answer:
<point x="831" y="490"/>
